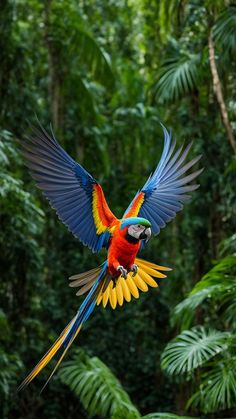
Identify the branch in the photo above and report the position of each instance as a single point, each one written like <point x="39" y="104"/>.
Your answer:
<point x="217" y="88"/>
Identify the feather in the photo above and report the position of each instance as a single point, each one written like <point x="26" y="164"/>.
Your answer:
<point x="69" y="188"/>
<point x="140" y="283"/>
<point x="148" y="279"/>
<point x="86" y="287"/>
<point x="145" y="263"/>
<point x="70" y="332"/>
<point x="125" y="289"/>
<point x="84" y="275"/>
<point x="113" y="298"/>
<point x="132" y="286"/>
<point x="119" y="293"/>
<point x="105" y="297"/>
<point x="161" y="196"/>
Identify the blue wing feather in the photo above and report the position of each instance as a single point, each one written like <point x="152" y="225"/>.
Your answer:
<point x="67" y="186"/>
<point x="167" y="188"/>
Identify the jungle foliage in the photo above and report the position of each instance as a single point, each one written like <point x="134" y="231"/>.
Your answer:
<point x="105" y="74"/>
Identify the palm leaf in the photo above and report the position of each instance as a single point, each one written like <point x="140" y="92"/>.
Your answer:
<point x="218" y="285"/>
<point x="98" y="389"/>
<point x="177" y="77"/>
<point x="183" y="313"/>
<point x="225" y="30"/>
<point x="228" y="245"/>
<point x="218" y="387"/>
<point x="166" y="415"/>
<point x="192" y="348"/>
<point x="224" y="266"/>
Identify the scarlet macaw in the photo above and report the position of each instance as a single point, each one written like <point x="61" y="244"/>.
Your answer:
<point x="81" y="205"/>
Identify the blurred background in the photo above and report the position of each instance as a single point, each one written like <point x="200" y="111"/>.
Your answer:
<point x="105" y="74"/>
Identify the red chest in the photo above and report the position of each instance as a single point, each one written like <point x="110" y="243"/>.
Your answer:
<point x="122" y="251"/>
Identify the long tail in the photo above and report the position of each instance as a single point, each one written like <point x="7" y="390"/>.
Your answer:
<point x="70" y="332"/>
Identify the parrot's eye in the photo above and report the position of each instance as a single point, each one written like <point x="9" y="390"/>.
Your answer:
<point x="139" y="225"/>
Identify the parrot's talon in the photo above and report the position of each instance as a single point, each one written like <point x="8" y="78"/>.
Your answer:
<point x="123" y="271"/>
<point x="134" y="269"/>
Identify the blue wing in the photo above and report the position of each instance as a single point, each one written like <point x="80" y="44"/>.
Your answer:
<point x="69" y="188"/>
<point x="162" y="195"/>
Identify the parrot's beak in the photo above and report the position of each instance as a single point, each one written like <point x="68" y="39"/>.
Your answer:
<point x="146" y="234"/>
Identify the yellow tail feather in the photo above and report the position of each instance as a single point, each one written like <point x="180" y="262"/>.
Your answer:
<point x="151" y="265"/>
<point x="113" y="298"/>
<point x="105" y="297"/>
<point x="119" y="293"/>
<point x="61" y="358"/>
<point x="147" y="278"/>
<point x="140" y="283"/>
<point x="125" y="289"/>
<point x="48" y="356"/>
<point x="132" y="286"/>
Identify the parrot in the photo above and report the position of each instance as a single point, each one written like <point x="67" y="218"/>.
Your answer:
<point x="81" y="205"/>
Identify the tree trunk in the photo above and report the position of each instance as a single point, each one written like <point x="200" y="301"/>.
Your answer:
<point x="217" y="88"/>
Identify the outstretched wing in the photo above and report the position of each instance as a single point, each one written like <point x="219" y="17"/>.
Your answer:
<point x="162" y="195"/>
<point x="75" y="195"/>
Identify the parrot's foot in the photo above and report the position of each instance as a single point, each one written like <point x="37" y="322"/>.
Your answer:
<point x="134" y="269"/>
<point x="123" y="271"/>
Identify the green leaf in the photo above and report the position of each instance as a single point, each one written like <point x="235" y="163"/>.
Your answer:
<point x="225" y="29"/>
<point x="192" y="348"/>
<point x="98" y="389"/>
<point x="219" y="284"/>
<point x="169" y="12"/>
<point x="228" y="245"/>
<point x="166" y="415"/>
<point x="218" y="387"/>
<point x="177" y="77"/>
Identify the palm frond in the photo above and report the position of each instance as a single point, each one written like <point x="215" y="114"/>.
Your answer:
<point x="228" y="245"/>
<point x="183" y="313"/>
<point x="218" y="387"/>
<point x="177" y="77"/>
<point x="192" y="348"/>
<point x="218" y="285"/>
<point x="229" y="307"/>
<point x="225" y="30"/>
<point x="98" y="389"/>
<point x="166" y="415"/>
<point x="224" y="266"/>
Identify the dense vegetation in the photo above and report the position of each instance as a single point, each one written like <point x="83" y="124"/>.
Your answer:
<point x="105" y="73"/>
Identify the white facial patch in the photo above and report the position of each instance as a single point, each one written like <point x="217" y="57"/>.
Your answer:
<point x="135" y="230"/>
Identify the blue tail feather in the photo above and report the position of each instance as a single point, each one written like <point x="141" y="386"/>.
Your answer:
<point x="70" y="332"/>
<point x="86" y="308"/>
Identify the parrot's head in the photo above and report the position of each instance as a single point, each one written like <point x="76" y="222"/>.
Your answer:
<point x="137" y="228"/>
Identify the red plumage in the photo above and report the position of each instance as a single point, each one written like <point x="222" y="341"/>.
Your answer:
<point x="121" y="252"/>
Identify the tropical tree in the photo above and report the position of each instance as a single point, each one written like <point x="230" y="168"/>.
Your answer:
<point x="203" y="41"/>
<point x="73" y="45"/>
